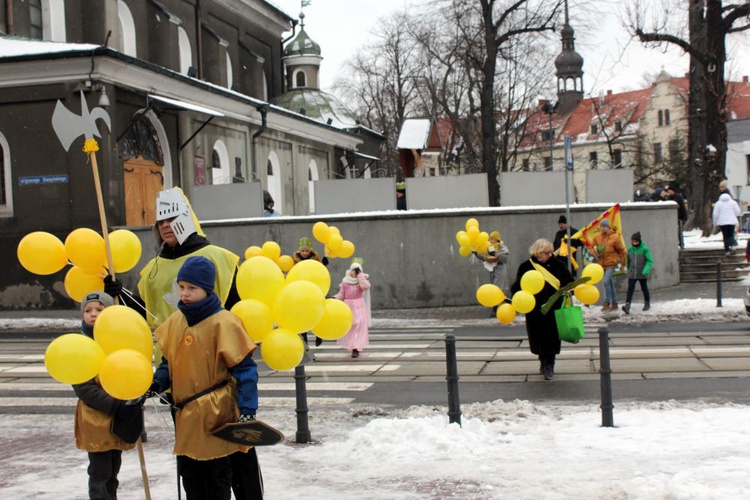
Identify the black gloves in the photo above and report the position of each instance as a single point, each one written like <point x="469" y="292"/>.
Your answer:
<point x="112" y="287"/>
<point x="128" y="421"/>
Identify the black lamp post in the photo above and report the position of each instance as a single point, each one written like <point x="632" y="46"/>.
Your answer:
<point x="550" y="108"/>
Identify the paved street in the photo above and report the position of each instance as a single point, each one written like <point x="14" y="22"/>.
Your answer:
<point x="407" y="366"/>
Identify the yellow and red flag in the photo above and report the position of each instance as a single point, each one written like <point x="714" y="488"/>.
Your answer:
<point x="586" y="234"/>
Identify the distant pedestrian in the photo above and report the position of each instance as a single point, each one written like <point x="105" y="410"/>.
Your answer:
<point x="682" y="214"/>
<point x="641" y="194"/>
<point x="561" y="236"/>
<point x="495" y="260"/>
<point x="724" y="188"/>
<point x="354" y="291"/>
<point x="401" y="196"/>
<point x="639" y="266"/>
<point x="541" y="329"/>
<point x="609" y="250"/>
<point x="306" y="252"/>
<point x="725" y="216"/>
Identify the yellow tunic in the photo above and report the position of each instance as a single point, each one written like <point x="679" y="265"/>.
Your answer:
<point x="158" y="289"/>
<point x="93" y="430"/>
<point x="199" y="357"/>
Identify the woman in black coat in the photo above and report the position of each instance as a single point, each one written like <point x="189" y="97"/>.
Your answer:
<point x="541" y="328"/>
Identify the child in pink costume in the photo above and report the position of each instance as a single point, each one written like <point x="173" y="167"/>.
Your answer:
<point x="354" y="291"/>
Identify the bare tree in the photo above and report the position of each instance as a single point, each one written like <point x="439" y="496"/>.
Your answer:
<point x="709" y="22"/>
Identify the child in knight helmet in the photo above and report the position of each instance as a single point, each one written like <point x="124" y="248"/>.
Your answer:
<point x="207" y="362"/>
<point x="97" y="411"/>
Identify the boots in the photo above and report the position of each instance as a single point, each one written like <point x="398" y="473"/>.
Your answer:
<point x="605" y="307"/>
<point x="647" y="306"/>
<point x="614" y="306"/>
<point x="549" y="370"/>
<point x="626" y="308"/>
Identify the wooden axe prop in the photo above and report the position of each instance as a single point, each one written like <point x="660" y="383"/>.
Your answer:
<point x="68" y="126"/>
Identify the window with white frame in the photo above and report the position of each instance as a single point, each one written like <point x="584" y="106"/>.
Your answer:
<point x="220" y="173"/>
<point x="593" y="159"/>
<point x="186" y="52"/>
<point x="126" y="43"/>
<point x="6" y="186"/>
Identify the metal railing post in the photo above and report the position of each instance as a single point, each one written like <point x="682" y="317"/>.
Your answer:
<point x="454" y="404"/>
<point x="300" y="390"/>
<point x="605" y="377"/>
<point x="718" y="284"/>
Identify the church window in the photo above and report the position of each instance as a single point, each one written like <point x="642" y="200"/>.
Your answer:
<point x="141" y="141"/>
<point x="300" y="79"/>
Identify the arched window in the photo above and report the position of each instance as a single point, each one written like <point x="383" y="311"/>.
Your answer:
<point x="186" y="53"/>
<point x="265" y="86"/>
<point x="6" y="186"/>
<point x="300" y="79"/>
<point x="312" y="176"/>
<point x="273" y="181"/>
<point x="230" y="74"/>
<point x="220" y="173"/>
<point x="126" y="42"/>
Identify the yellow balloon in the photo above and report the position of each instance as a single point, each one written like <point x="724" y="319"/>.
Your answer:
<point x="330" y="253"/>
<point x="299" y="306"/>
<point x="126" y="250"/>
<point x="259" y="278"/>
<point x="473" y="233"/>
<point x="126" y="374"/>
<point x="256" y="317"/>
<point x="346" y="250"/>
<point x="313" y="271"/>
<point x="464" y="251"/>
<point x="334" y="242"/>
<point x="78" y="283"/>
<point x="271" y="249"/>
<point x="587" y="294"/>
<point x="282" y="349"/>
<point x="252" y="251"/>
<point x="532" y="282"/>
<point x="483" y="237"/>
<point x="482" y="246"/>
<point x="333" y="230"/>
<point x="320" y="231"/>
<point x="336" y="321"/>
<point x="593" y="271"/>
<point x="41" y="253"/>
<point x="472" y="223"/>
<point x="120" y="327"/>
<point x="490" y="295"/>
<point x="285" y="262"/>
<point x="85" y="249"/>
<point x="463" y="239"/>
<point x="73" y="358"/>
<point x="523" y="302"/>
<point x="506" y="313"/>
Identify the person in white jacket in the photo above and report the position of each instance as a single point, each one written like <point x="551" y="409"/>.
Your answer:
<point x="726" y="212"/>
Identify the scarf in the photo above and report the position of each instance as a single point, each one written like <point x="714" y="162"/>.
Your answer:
<point x="197" y="312"/>
<point x="87" y="330"/>
<point x="351" y="280"/>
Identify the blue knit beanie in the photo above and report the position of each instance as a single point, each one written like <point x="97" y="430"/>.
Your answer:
<point x="200" y="272"/>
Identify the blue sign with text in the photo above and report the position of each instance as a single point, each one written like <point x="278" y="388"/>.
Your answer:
<point x="43" y="179"/>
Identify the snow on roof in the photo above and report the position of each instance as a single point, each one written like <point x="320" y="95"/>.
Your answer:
<point x="414" y="134"/>
<point x="14" y="47"/>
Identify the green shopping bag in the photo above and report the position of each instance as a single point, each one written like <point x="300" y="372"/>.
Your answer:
<point x="569" y="321"/>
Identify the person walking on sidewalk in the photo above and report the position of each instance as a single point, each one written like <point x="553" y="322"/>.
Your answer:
<point x="541" y="329"/>
<point x="610" y="251"/>
<point x="354" y="291"/>
<point x="495" y="260"/>
<point x="725" y="215"/>
<point x="639" y="265"/>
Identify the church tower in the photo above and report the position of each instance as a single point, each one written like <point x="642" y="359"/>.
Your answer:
<point x="569" y="66"/>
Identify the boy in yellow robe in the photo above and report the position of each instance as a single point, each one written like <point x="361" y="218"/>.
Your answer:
<point x="207" y="363"/>
<point x="95" y="413"/>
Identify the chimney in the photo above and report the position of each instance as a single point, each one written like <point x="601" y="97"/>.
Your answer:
<point x="609" y="93"/>
<point x="744" y="80"/>
<point x="543" y="102"/>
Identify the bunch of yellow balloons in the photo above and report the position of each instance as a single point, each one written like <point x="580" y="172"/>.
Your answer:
<point x="272" y="250"/>
<point x="587" y="293"/>
<point x="275" y="309"/>
<point x="472" y="239"/>
<point x="335" y="244"/>
<point x="43" y="253"/>
<point x="120" y="354"/>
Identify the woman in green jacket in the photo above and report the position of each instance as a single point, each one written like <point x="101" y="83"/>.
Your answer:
<point x="639" y="265"/>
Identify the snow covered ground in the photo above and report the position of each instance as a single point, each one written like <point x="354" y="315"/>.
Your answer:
<point x="504" y="450"/>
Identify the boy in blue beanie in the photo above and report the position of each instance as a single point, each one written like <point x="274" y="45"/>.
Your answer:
<point x="207" y="363"/>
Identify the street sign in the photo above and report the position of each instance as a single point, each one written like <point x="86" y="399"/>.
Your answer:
<point x="568" y="152"/>
<point x="42" y="179"/>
